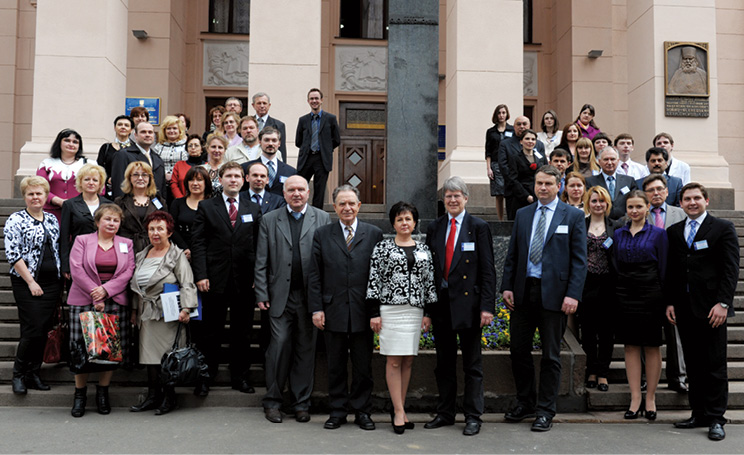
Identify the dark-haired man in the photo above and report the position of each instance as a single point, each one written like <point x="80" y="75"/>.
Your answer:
<point x="279" y="171"/>
<point x="656" y="161"/>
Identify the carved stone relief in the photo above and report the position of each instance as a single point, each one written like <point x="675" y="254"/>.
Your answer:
<point x="361" y="68"/>
<point x="225" y="63"/>
<point x="530" y="74"/>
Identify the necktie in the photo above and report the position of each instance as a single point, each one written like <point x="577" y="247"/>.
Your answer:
<point x="296" y="215"/>
<point x="257" y="198"/>
<point x="260" y="124"/>
<point x="349" y="237"/>
<point x="538" y="238"/>
<point x="450" y="250"/>
<point x="611" y="187"/>
<point x="691" y="235"/>
<point x="625" y="167"/>
<point x="233" y="213"/>
<point x="658" y="221"/>
<point x="272" y="172"/>
<point x="314" y="139"/>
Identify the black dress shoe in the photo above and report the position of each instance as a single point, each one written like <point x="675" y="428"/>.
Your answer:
<point x="302" y="416"/>
<point x="542" y="423"/>
<point x="692" y="422"/>
<point x="716" y="433"/>
<point x="409" y="425"/>
<point x="364" y="421"/>
<point x="631" y="415"/>
<point x="243" y="386"/>
<point x="471" y="428"/>
<point x="591" y="384"/>
<point x="334" y="422"/>
<point x="518" y="414"/>
<point x="438" y="422"/>
<point x="650" y="415"/>
<point x="33" y="381"/>
<point x="679" y="387"/>
<point x="19" y="387"/>
<point x="273" y="415"/>
<point x="201" y="389"/>
<point x="602" y="387"/>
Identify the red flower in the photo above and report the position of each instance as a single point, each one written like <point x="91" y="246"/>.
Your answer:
<point x="533" y="166"/>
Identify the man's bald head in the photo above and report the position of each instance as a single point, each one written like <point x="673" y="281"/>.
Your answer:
<point x="521" y="123"/>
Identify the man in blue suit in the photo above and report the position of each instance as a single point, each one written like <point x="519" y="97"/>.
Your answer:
<point x="544" y="275"/>
<point x="657" y="159"/>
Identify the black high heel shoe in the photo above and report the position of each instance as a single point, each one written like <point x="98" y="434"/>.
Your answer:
<point x="650" y="415"/>
<point x="398" y="429"/>
<point x="630" y="415"/>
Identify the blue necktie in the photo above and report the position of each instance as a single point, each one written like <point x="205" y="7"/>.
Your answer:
<point x="611" y="187"/>
<point x="314" y="146"/>
<point x="257" y="198"/>
<point x="272" y="172"/>
<point x="691" y="235"/>
<point x="296" y="215"/>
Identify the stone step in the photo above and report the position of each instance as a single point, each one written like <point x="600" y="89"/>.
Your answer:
<point x="618" y="398"/>
<point x="6" y="297"/>
<point x="9" y="331"/>
<point x="8" y="313"/>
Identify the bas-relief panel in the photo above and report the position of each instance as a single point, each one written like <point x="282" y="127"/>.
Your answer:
<point x="530" y="74"/>
<point x="361" y="68"/>
<point x="225" y="63"/>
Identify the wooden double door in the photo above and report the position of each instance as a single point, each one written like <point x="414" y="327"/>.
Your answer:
<point x="362" y="151"/>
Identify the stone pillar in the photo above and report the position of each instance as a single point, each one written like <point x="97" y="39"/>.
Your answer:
<point x="413" y="61"/>
<point x="484" y="69"/>
<point x="285" y="62"/>
<point x="79" y="74"/>
<point x="650" y="23"/>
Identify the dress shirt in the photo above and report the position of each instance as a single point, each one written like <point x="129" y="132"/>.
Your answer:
<point x="699" y="221"/>
<point x="274" y="160"/>
<point x="353" y="227"/>
<point x="304" y="209"/>
<point x="458" y="223"/>
<point x="262" y="121"/>
<point x="146" y="153"/>
<point x="535" y="270"/>
<point x="635" y="170"/>
<point x="262" y="195"/>
<point x="663" y="213"/>
<point x="227" y="204"/>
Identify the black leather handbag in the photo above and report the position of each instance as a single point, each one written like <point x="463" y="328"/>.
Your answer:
<point x="183" y="366"/>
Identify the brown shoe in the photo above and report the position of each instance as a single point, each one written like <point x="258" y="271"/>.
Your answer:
<point x="273" y="415"/>
<point x="302" y="416"/>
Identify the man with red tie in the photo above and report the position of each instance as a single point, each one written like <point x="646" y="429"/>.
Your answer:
<point x="462" y="251"/>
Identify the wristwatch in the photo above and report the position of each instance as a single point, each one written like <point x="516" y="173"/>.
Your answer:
<point x="724" y="305"/>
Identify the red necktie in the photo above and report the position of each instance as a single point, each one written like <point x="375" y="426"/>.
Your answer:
<point x="450" y="248"/>
<point x="233" y="213"/>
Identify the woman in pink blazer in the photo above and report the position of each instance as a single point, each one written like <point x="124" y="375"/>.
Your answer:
<point x="101" y="265"/>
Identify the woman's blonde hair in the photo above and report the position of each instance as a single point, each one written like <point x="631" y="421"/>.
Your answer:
<point x="34" y="180"/>
<point x="170" y="121"/>
<point x="126" y="185"/>
<point x="86" y="170"/>
<point x="603" y="193"/>
<point x="584" y="142"/>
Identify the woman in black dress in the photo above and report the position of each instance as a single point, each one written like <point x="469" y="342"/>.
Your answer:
<point x="122" y="128"/>
<point x="522" y="169"/>
<point x="140" y="199"/>
<point x="494" y="135"/>
<point x="640" y="256"/>
<point x="198" y="187"/>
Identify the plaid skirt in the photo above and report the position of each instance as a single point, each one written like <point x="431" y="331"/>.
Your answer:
<point x="76" y="336"/>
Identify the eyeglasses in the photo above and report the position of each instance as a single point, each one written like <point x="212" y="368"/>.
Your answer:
<point x="141" y="176"/>
<point x="658" y="189"/>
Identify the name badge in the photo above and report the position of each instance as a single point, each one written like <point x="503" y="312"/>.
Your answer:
<point x="247" y="218"/>
<point x="123" y="248"/>
<point x="468" y="246"/>
<point x="537" y="154"/>
<point x="508" y="134"/>
<point x="282" y="178"/>
<point x="420" y="255"/>
<point x="561" y="229"/>
<point x="158" y="205"/>
<point x="701" y="245"/>
<point x="624" y="190"/>
<point x="607" y="243"/>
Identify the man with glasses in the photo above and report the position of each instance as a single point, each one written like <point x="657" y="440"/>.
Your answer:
<point x="656" y="161"/>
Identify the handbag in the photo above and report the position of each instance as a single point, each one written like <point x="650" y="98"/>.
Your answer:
<point x="102" y="338"/>
<point x="183" y="366"/>
<point x="55" y="340"/>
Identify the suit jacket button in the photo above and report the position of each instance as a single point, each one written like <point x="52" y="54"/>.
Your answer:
<point x="464" y="277"/>
<point x="467" y="261"/>
<point x="466" y="292"/>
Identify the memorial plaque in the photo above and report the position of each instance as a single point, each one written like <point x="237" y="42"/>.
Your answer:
<point x="682" y="106"/>
<point x="686" y="79"/>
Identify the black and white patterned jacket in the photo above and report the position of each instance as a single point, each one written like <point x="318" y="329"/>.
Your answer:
<point x="391" y="283"/>
<point x="24" y="239"/>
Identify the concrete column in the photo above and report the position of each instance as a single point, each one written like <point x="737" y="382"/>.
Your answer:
<point x="484" y="69"/>
<point x="285" y="61"/>
<point x="650" y="23"/>
<point x="79" y="74"/>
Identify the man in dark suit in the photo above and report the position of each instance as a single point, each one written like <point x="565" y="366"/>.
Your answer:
<point x="337" y="287"/>
<point x="512" y="146"/>
<point x="317" y="136"/>
<point x="702" y="272"/>
<point x="257" y="177"/>
<point x="261" y="103"/>
<point x="663" y="215"/>
<point x="618" y="185"/>
<point x="223" y="257"/>
<point x="656" y="160"/>
<point x="462" y="252"/>
<point x="544" y="275"/>
<point x="144" y="137"/>
<point x="285" y="243"/>
<point x="278" y="170"/>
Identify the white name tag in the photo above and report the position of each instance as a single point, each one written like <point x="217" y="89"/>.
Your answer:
<point x="607" y="243"/>
<point x="158" y="205"/>
<point x="282" y="178"/>
<point x="420" y="255"/>
<point x="247" y="218"/>
<point x="123" y="248"/>
<point x="508" y="134"/>
<point x="701" y="245"/>
<point x="468" y="246"/>
<point x="537" y="154"/>
<point x="624" y="190"/>
<point x="561" y="229"/>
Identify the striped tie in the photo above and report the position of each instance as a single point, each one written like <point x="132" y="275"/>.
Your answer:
<point x="536" y="247"/>
<point x="349" y="237"/>
<point x="691" y="235"/>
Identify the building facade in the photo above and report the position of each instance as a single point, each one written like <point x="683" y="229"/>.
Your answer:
<point x="73" y="63"/>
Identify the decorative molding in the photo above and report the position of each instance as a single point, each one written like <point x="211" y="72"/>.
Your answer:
<point x="530" y="78"/>
<point x="225" y="63"/>
<point x="361" y="68"/>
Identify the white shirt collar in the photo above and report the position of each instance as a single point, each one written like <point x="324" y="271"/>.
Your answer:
<point x="353" y="226"/>
<point x="550" y="205"/>
<point x="265" y="160"/>
<point x="260" y="194"/>
<point x="699" y="220"/>
<point x="459" y="218"/>
<point x="237" y="198"/>
<point x="304" y="209"/>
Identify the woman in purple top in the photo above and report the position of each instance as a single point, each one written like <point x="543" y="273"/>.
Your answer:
<point x="640" y="256"/>
<point x="585" y="122"/>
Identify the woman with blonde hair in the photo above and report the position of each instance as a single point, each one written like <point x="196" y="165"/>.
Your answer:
<point x="140" y="199"/>
<point x="216" y="147"/>
<point x="585" y="162"/>
<point x="78" y="212"/>
<point x="229" y="129"/>
<point x="171" y="144"/>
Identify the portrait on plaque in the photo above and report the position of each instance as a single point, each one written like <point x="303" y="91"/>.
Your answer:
<point x="686" y="69"/>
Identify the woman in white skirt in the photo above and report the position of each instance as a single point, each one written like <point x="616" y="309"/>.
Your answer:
<point x="401" y="286"/>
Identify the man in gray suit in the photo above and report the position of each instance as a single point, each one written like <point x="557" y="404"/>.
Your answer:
<point x="286" y="237"/>
<point x="664" y="215"/>
<point x="337" y="287"/>
<point x="616" y="184"/>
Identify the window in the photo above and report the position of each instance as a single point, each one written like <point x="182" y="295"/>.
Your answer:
<point x="527" y="19"/>
<point x="363" y="19"/>
<point x="230" y="16"/>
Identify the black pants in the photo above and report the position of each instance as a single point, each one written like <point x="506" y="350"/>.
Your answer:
<point x="596" y="316"/>
<point x="314" y="168"/>
<point x="339" y="346"/>
<point x="445" y="339"/>
<point x="526" y="317"/>
<point x="212" y="330"/>
<point x="705" y="355"/>
<point x="36" y="315"/>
